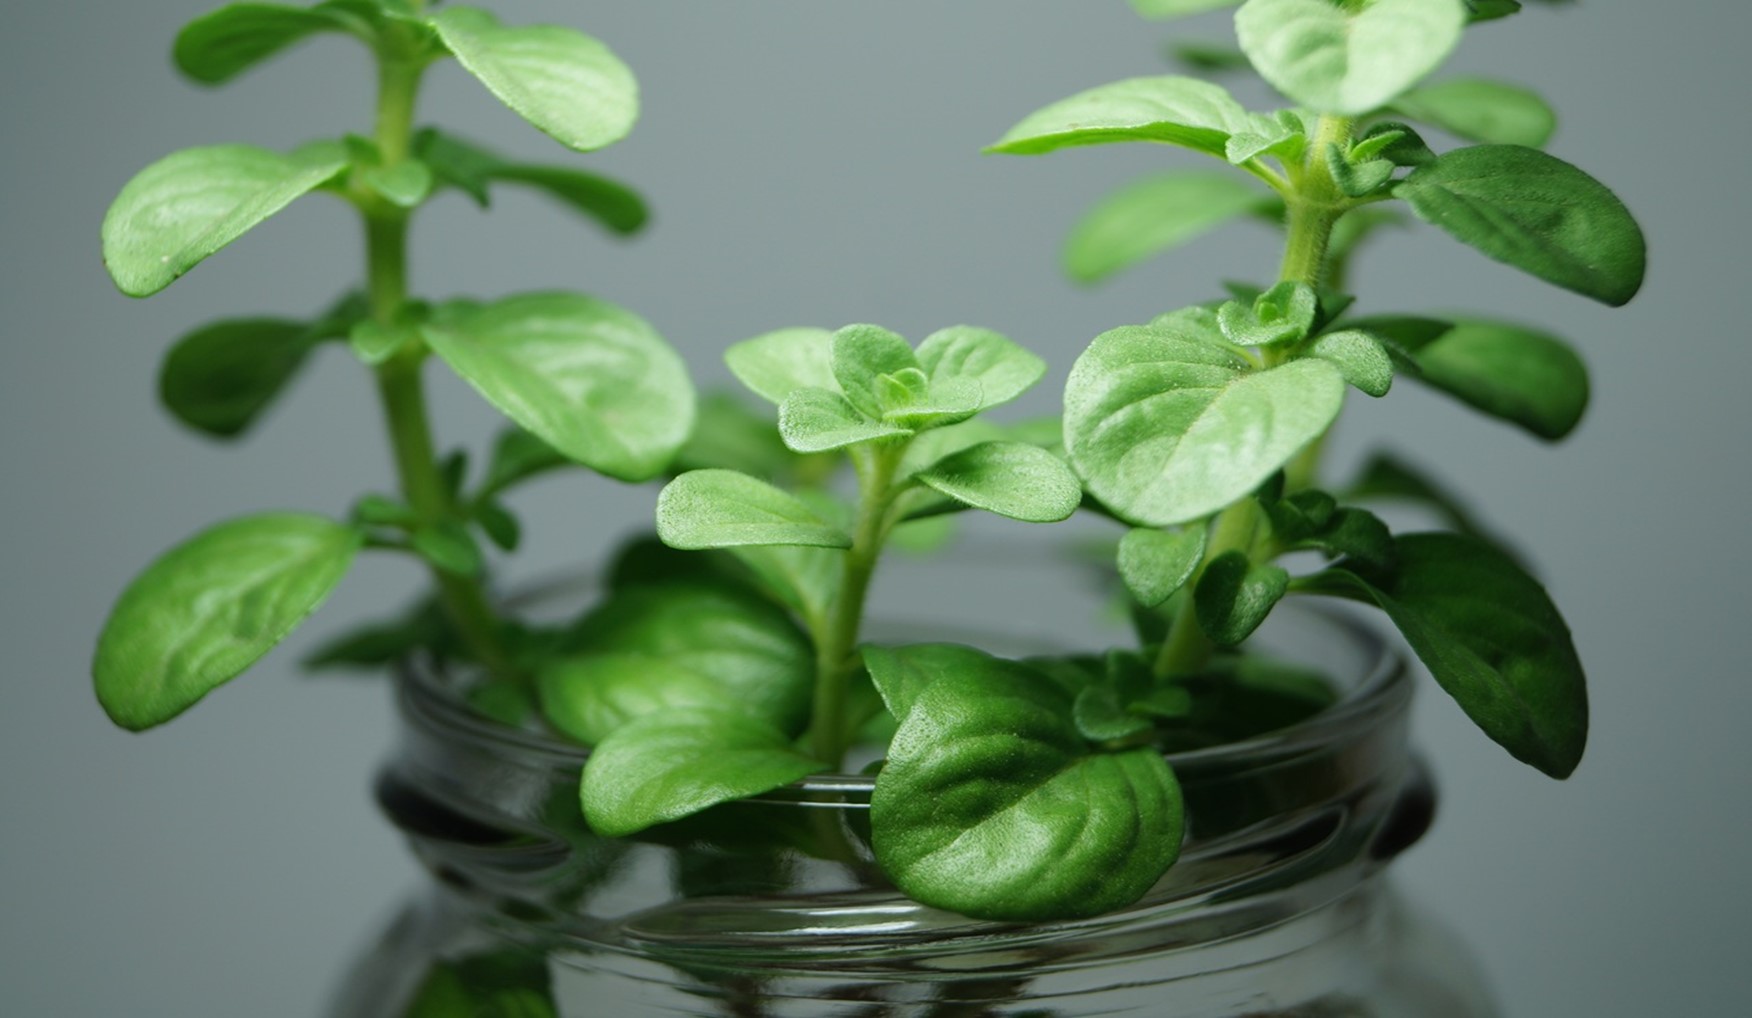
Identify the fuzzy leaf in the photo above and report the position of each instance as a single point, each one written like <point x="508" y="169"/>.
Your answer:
<point x="592" y="380"/>
<point x="1153" y="215"/>
<point x="1170" y="109"/>
<point x="724" y="509"/>
<point x="1535" y="212"/>
<point x="816" y="420"/>
<point x="1235" y="595"/>
<point x="1020" y="481"/>
<point x="1359" y="357"/>
<point x="1002" y="369"/>
<point x="1350" y="58"/>
<point x="209" y="608"/>
<point x="1155" y="564"/>
<point x="779" y="363"/>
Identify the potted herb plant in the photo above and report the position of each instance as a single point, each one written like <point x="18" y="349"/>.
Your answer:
<point x="709" y="788"/>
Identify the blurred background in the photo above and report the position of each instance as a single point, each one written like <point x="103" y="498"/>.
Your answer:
<point x="818" y="163"/>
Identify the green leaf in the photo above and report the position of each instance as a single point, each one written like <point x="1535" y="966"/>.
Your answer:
<point x="966" y="353"/>
<point x="499" y="524"/>
<point x="1359" y="357"/>
<point x="566" y="84"/>
<point x="816" y="420"/>
<point x="1385" y="476"/>
<point x="1170" y="109"/>
<point x="449" y="547"/>
<point x="1210" y="57"/>
<point x="1357" y="178"/>
<point x="1481" y="110"/>
<point x="729" y="434"/>
<point x="373" y="646"/>
<point x="1535" y="212"/>
<point x="510" y="984"/>
<point x="1356" y="533"/>
<point x="1155" y="563"/>
<point x="1235" y="595"/>
<point x="407" y="183"/>
<point x="589" y="696"/>
<point x="1153" y="215"/>
<point x="1490" y="10"/>
<point x="666" y="766"/>
<point x="188" y="205"/>
<point x="471" y="169"/>
<point x="1490" y="635"/>
<point x="1163" y="9"/>
<point x="991" y="804"/>
<point x="1283" y="314"/>
<point x="220" y="45"/>
<point x="1395" y="142"/>
<point x="374" y="343"/>
<point x="1101" y="716"/>
<point x="591" y="379"/>
<point x="517" y="457"/>
<point x="219" y="378"/>
<point x="1166" y="425"/>
<point x="747" y="646"/>
<point x="210" y="607"/>
<point x="1020" y="481"/>
<point x="724" y="509"/>
<point x="1511" y="372"/>
<point x="779" y="363"/>
<point x="902" y="674"/>
<point x="805" y="578"/>
<point x="861" y="355"/>
<point x="1347" y="58"/>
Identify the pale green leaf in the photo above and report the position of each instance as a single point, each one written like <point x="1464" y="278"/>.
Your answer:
<point x="815" y="420"/>
<point x="724" y="509"/>
<point x="564" y="82"/>
<point x="1163" y="9"/>
<point x="1156" y="563"/>
<point x="209" y="608"/>
<point x="1170" y="109"/>
<point x="591" y="379"/>
<point x="188" y="205"/>
<point x="1023" y="482"/>
<point x="1481" y="110"/>
<point x="861" y="355"/>
<point x="406" y="184"/>
<point x="1002" y="369"/>
<point x="1359" y="356"/>
<point x="1154" y="215"/>
<point x="1347" y="58"/>
<point x="776" y="364"/>
<point x="1535" y="212"/>
<point x="590" y="695"/>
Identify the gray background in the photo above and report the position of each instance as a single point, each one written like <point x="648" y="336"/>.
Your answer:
<point x="818" y="163"/>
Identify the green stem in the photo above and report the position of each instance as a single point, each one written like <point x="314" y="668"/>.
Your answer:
<point x="836" y="646"/>
<point x="398" y="379"/>
<point x="1187" y="649"/>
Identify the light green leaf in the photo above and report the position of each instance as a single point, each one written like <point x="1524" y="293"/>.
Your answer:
<point x="374" y="343"/>
<point x="666" y="766"/>
<point x="1153" y="215"/>
<point x="1481" y="110"/>
<point x="1155" y="563"/>
<point x="565" y="83"/>
<point x="916" y="403"/>
<point x="805" y="578"/>
<point x="1023" y="482"/>
<point x="407" y="183"/>
<point x="1535" y="212"/>
<point x="1002" y="369"/>
<point x="1358" y="178"/>
<point x="450" y="548"/>
<point x="730" y="434"/>
<point x="1283" y="314"/>
<point x="1170" y="109"/>
<point x="210" y="607"/>
<point x="517" y="457"/>
<point x="724" y="509"/>
<point x="471" y="169"/>
<point x="222" y="44"/>
<point x="1511" y="372"/>
<point x="1235" y="595"/>
<point x="1164" y="9"/>
<point x="591" y="379"/>
<point x="1166" y="425"/>
<point x="1359" y="357"/>
<point x="1490" y="635"/>
<point x="1347" y="58"/>
<point x="815" y="420"/>
<point x="188" y="205"/>
<point x="219" y="378"/>
<point x="861" y="355"/>
<point x="1101" y="717"/>
<point x="728" y="633"/>
<point x="589" y="696"/>
<point x="992" y="804"/>
<point x="779" y="363"/>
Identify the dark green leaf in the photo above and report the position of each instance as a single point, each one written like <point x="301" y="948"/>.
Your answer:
<point x="1359" y="356"/>
<point x="221" y="44"/>
<point x="507" y="985"/>
<point x="1170" y="109"/>
<point x="1210" y="57"/>
<point x="1490" y="10"/>
<point x="1358" y="178"/>
<point x="1155" y="563"/>
<point x="1535" y="212"/>
<point x="1101" y="717"/>
<point x="1356" y="533"/>
<point x="498" y="523"/>
<point x="1235" y="595"/>
<point x="991" y="804"/>
<point x="1153" y="215"/>
<point x="1020" y="481"/>
<point x="208" y="608"/>
<point x="374" y="646"/>
<point x="449" y="547"/>
<point x="1490" y="635"/>
<point x="1166" y="425"/>
<point x="902" y="674"/>
<point x="188" y="205"/>
<point x="219" y="378"/>
<point x="1481" y="110"/>
<point x="1395" y="142"/>
<point x="562" y="81"/>
<point x="666" y="766"/>
<point x="472" y="169"/>
<point x="517" y="457"/>
<point x="1347" y="58"/>
<point x="1522" y="376"/>
<point x="383" y="511"/>
<point x="724" y="509"/>
<point x="1385" y="476"/>
<point x="592" y="380"/>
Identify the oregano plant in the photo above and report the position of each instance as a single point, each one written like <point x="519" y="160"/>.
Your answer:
<point x="726" y="655"/>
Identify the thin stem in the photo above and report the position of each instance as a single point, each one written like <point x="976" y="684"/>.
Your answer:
<point x="835" y="647"/>
<point x="1187" y="649"/>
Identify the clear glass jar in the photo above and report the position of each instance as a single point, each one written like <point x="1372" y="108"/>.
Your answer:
<point x="1279" y="905"/>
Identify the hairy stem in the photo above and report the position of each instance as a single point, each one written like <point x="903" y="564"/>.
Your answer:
<point x="398" y="380"/>
<point x="1187" y="649"/>
<point x="836" y="645"/>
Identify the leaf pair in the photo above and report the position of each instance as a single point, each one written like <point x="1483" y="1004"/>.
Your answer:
<point x="993" y="804"/>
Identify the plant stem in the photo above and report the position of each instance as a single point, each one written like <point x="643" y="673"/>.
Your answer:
<point x="398" y="379"/>
<point x="1187" y="649"/>
<point x="835" y="657"/>
<point x="1315" y="207"/>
